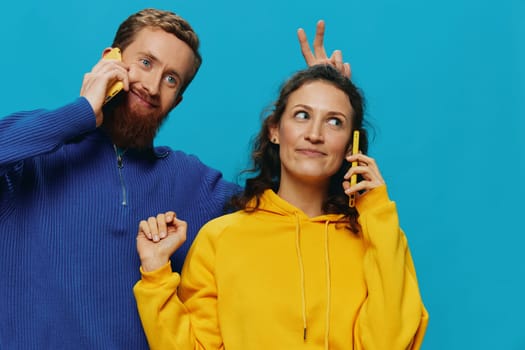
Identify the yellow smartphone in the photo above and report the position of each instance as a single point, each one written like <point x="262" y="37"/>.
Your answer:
<point x="353" y="179"/>
<point x="117" y="87"/>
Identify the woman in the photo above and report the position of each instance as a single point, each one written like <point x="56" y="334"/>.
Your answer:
<point x="295" y="267"/>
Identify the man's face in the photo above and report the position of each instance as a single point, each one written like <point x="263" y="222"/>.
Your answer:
<point x="159" y="65"/>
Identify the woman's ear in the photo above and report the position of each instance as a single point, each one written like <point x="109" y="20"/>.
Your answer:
<point x="273" y="134"/>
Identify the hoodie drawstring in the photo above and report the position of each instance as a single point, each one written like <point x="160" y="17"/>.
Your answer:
<point x="301" y="269"/>
<point x="328" y="285"/>
<point x="328" y="279"/>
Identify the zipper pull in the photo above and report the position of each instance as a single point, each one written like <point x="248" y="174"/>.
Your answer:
<point x="119" y="152"/>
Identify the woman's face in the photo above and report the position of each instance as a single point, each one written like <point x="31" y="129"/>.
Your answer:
<point x="314" y="133"/>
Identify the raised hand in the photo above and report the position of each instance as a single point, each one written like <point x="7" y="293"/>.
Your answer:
<point x="158" y="238"/>
<point x="369" y="171"/>
<point x="318" y="56"/>
<point x="103" y="75"/>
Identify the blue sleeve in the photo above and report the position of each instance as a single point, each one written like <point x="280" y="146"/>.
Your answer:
<point x="220" y="190"/>
<point x="27" y="134"/>
<point x="214" y="191"/>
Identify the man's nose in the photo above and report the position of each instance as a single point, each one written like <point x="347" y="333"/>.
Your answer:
<point x="152" y="83"/>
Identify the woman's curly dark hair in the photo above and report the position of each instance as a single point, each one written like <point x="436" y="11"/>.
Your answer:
<point x="265" y="154"/>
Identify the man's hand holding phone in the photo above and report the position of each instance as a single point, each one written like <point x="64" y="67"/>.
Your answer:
<point x="106" y="79"/>
<point x="114" y="89"/>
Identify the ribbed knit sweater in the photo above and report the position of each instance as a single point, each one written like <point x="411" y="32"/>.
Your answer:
<point x="70" y="204"/>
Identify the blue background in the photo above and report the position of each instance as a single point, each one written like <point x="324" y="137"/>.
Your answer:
<point x="445" y="85"/>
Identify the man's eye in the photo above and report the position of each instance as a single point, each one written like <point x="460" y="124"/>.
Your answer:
<point x="170" y="79"/>
<point x="146" y="62"/>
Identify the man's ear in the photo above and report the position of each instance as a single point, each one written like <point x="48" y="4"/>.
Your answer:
<point x="105" y="51"/>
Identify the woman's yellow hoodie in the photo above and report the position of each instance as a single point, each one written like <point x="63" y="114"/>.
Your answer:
<point x="277" y="279"/>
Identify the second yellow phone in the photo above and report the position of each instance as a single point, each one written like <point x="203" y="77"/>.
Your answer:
<point x="353" y="179"/>
<point x="117" y="87"/>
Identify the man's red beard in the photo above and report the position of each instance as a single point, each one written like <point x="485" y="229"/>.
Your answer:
<point x="129" y="127"/>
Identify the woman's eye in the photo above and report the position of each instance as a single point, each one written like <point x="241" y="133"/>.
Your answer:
<point x="146" y="62"/>
<point x="335" y="122"/>
<point x="302" y="115"/>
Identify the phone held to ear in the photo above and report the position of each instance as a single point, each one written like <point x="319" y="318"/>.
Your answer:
<point x="117" y="87"/>
<point x="353" y="179"/>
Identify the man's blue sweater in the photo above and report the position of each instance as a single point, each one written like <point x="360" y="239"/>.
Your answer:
<point x="69" y="213"/>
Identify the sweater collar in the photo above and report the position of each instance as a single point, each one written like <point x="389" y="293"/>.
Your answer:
<point x="99" y="136"/>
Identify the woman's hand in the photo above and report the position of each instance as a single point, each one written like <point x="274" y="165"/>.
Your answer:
<point x="367" y="168"/>
<point x="158" y="238"/>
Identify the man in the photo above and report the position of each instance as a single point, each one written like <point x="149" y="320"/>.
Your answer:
<point x="75" y="182"/>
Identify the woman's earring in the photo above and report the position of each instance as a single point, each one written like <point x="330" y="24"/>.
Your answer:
<point x="274" y="140"/>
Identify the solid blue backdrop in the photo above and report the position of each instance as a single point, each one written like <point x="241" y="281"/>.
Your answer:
<point x="445" y="86"/>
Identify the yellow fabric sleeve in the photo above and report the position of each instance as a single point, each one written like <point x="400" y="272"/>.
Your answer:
<point x="170" y="321"/>
<point x="393" y="315"/>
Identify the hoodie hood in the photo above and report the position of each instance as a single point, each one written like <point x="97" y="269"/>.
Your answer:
<point x="271" y="203"/>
